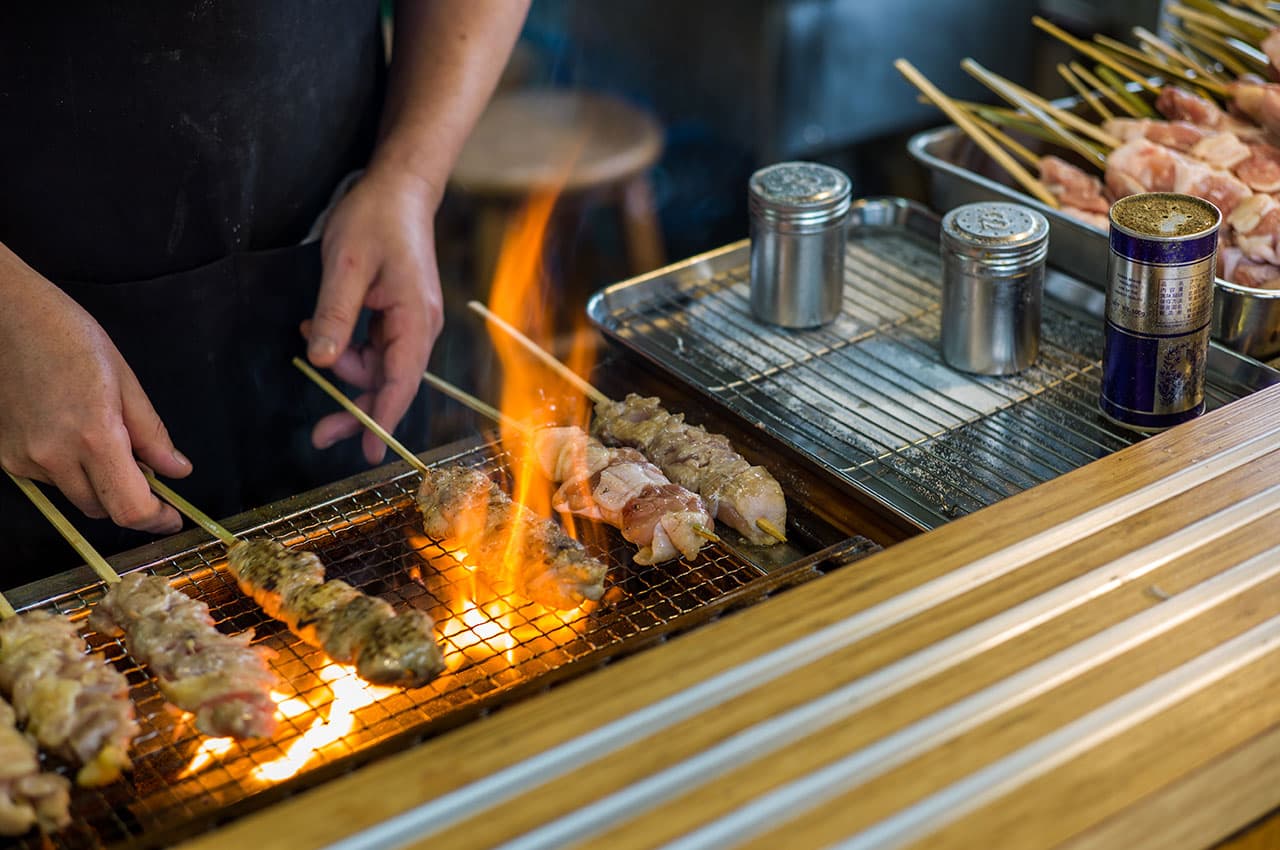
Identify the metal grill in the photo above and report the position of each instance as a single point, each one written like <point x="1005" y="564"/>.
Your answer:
<point x="371" y="539"/>
<point x="868" y="396"/>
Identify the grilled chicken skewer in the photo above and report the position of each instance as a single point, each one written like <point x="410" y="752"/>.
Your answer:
<point x="219" y="678"/>
<point x="463" y="505"/>
<point x="549" y="567"/>
<point x="386" y="647"/>
<point x="73" y="704"/>
<point x="28" y="796"/>
<point x="745" y="497"/>
<point x="614" y="485"/>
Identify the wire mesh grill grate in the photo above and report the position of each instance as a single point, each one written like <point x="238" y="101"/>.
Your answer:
<point x="370" y="539"/>
<point x="869" y="396"/>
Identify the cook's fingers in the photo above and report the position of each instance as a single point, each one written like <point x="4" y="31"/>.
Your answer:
<point x="147" y="434"/>
<point x="338" y="426"/>
<point x="403" y="362"/>
<point x="343" y="285"/>
<point x="123" y="491"/>
<point x="72" y="482"/>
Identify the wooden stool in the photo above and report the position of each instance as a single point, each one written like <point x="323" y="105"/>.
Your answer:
<point x="583" y="144"/>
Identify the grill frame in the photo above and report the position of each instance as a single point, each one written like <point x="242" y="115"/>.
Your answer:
<point x="353" y="518"/>
<point x="692" y="320"/>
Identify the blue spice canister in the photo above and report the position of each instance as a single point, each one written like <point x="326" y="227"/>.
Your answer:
<point x="1160" y="274"/>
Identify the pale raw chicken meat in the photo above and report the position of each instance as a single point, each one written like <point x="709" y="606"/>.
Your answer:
<point x="1073" y="187"/>
<point x="1221" y="150"/>
<point x="736" y="493"/>
<point x="1260" y="101"/>
<point x="1178" y="104"/>
<point x="1261" y="170"/>
<point x="28" y="796"/>
<point x="1220" y="188"/>
<point x="619" y="486"/>
<point x="1271" y="46"/>
<point x="1179" y="135"/>
<point x="1141" y="166"/>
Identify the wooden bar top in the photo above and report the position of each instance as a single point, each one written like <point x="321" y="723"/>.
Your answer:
<point x="1094" y="663"/>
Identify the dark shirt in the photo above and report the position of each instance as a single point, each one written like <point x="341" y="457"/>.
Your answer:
<point x="148" y="137"/>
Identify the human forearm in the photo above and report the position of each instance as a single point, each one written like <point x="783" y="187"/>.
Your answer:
<point x="446" y="60"/>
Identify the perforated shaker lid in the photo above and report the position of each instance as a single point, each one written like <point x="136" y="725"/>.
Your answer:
<point x="992" y="226"/>
<point x="799" y="191"/>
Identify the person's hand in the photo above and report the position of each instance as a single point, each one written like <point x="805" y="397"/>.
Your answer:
<point x="72" y="413"/>
<point x="378" y="252"/>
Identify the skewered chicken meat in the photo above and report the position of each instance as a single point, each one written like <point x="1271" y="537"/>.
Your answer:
<point x="387" y="647"/>
<point x="28" y="797"/>
<point x="545" y="564"/>
<point x="621" y="487"/>
<point x="737" y="493"/>
<point x="75" y="705"/>
<point x="219" y="678"/>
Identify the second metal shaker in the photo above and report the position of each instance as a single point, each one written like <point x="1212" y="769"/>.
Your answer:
<point x="992" y="286"/>
<point x="799" y="211"/>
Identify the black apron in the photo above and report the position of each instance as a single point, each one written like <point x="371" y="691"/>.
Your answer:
<point x="175" y="153"/>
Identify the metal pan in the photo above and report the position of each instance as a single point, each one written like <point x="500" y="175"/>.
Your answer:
<point x="1245" y="319"/>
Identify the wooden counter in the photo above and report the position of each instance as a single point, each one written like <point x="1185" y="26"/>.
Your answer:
<point x="1094" y="663"/>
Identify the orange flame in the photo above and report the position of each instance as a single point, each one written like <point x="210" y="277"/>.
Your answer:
<point x="350" y="694"/>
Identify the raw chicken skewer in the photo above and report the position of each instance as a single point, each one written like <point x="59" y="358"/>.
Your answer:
<point x="219" y="678"/>
<point x="745" y="497"/>
<point x="385" y="646"/>
<point x="615" y="485"/>
<point x="541" y="563"/>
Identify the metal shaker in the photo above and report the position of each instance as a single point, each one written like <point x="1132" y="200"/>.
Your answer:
<point x="799" y="211"/>
<point x="992" y="286"/>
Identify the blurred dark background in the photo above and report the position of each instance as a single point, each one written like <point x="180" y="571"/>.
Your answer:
<point x="736" y="84"/>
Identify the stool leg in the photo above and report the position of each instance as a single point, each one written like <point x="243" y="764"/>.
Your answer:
<point x="640" y="221"/>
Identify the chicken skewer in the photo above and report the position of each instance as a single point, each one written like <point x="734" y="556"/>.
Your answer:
<point x="615" y="485"/>
<point x="219" y="678"/>
<point x="28" y="796"/>
<point x="385" y="646"/>
<point x="72" y="703"/>
<point x="745" y="497"/>
<point x="544" y="563"/>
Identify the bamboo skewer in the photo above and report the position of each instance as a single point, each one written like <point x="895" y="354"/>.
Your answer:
<point x="6" y="609"/>
<point x="1093" y="53"/>
<point x="68" y="531"/>
<point x="1253" y="58"/>
<point x="1095" y="103"/>
<point x="1262" y="10"/>
<point x="485" y="409"/>
<point x="529" y="345"/>
<point x="1015" y="147"/>
<point x="189" y="510"/>
<point x="1211" y="22"/>
<point x="1220" y="53"/>
<point x="584" y="386"/>
<point x="1105" y="90"/>
<point x="1194" y="73"/>
<point x="364" y="418"/>
<point x="1154" y="42"/>
<point x="962" y="120"/>
<point x="1009" y="93"/>
<point x="1117" y="85"/>
<point x="1020" y="96"/>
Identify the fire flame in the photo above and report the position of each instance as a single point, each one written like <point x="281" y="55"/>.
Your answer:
<point x="350" y="694"/>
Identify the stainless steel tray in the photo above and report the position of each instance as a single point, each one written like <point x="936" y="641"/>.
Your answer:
<point x="1245" y="319"/>
<point x="868" y="397"/>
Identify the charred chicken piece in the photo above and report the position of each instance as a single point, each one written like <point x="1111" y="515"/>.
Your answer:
<point x="737" y="493"/>
<point x="28" y="797"/>
<point x="75" y="705"/>
<point x="550" y="567"/>
<point x="621" y="487"/>
<point x="387" y="647"/>
<point x="220" y="678"/>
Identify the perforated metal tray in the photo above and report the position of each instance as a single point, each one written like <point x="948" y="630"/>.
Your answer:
<point x="868" y="396"/>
